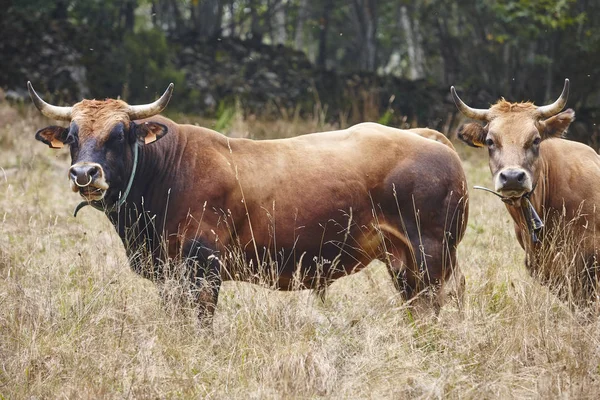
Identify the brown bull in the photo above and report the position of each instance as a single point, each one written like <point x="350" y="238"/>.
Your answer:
<point x="300" y="212"/>
<point x="536" y="171"/>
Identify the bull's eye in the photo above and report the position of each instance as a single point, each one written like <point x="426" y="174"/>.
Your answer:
<point x="489" y="142"/>
<point x="117" y="135"/>
<point x="71" y="140"/>
<point x="537" y="141"/>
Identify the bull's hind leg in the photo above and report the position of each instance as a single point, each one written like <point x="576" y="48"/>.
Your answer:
<point x="420" y="267"/>
<point x="401" y="262"/>
<point x="438" y="271"/>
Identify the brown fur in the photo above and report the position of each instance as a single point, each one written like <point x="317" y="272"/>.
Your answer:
<point x="305" y="189"/>
<point x="503" y="107"/>
<point x="565" y="177"/>
<point x="567" y="197"/>
<point x="433" y="135"/>
<point x="97" y="117"/>
<point x="316" y="207"/>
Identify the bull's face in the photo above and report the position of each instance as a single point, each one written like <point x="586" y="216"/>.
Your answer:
<point x="513" y="135"/>
<point x="101" y="136"/>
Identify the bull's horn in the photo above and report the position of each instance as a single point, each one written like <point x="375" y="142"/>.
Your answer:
<point x="50" y="111"/>
<point x="557" y="106"/>
<point x="474" y="113"/>
<point x="148" y="110"/>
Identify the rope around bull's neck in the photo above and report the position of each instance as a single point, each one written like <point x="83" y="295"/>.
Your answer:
<point x="532" y="219"/>
<point x="99" y="205"/>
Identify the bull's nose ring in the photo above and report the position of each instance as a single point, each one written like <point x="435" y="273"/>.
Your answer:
<point x="87" y="184"/>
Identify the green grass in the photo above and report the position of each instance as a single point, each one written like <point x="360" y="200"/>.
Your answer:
<point x="76" y="322"/>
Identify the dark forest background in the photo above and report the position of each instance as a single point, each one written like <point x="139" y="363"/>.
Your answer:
<point x="391" y="61"/>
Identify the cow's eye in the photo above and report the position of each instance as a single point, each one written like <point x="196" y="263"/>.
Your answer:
<point x="537" y="141"/>
<point x="489" y="142"/>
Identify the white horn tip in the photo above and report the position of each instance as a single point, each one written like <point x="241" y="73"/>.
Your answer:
<point x="169" y="90"/>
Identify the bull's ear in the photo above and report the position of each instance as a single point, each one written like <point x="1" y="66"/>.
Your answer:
<point x="53" y="136"/>
<point x="148" y="132"/>
<point x="472" y="134"/>
<point x="557" y="126"/>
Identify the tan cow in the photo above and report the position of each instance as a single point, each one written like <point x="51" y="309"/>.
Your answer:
<point x="539" y="172"/>
<point x="297" y="212"/>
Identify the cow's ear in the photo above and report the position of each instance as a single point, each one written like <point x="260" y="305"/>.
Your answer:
<point x="472" y="134"/>
<point x="148" y="132"/>
<point x="53" y="136"/>
<point x="557" y="126"/>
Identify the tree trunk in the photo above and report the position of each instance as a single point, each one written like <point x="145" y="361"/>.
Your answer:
<point x="269" y="20"/>
<point x="255" y="28"/>
<point x="279" y="31"/>
<point x="61" y="10"/>
<point x="153" y="12"/>
<point x="208" y="15"/>
<point x="232" y="20"/>
<point x="371" y="35"/>
<point x="412" y="35"/>
<point x="549" y="95"/>
<point x="365" y="12"/>
<point x="322" y="57"/>
<point x="506" y="58"/>
<point x="129" y="14"/>
<point x="179" y="23"/>
<point x="302" y="16"/>
<point x="450" y="62"/>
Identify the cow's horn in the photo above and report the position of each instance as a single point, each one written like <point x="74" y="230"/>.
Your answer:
<point x="148" y="110"/>
<point x="50" y="111"/>
<point x="557" y="106"/>
<point x="474" y="113"/>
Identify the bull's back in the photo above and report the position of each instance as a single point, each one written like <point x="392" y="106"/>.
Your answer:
<point x="316" y="185"/>
<point x="343" y="168"/>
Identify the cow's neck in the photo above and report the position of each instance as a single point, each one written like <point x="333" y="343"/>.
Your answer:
<point x="537" y="199"/>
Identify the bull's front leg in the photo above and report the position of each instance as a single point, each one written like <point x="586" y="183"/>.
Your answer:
<point x="204" y="277"/>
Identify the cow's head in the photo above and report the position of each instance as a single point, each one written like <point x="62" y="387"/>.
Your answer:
<point x="101" y="136"/>
<point x="513" y="133"/>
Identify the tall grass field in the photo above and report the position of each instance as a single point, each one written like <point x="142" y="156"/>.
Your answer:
<point x="76" y="322"/>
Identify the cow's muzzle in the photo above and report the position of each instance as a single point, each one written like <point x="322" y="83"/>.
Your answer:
<point x="513" y="182"/>
<point x="89" y="180"/>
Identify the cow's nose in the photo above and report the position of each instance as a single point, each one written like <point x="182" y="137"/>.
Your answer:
<point x="84" y="174"/>
<point x="512" y="178"/>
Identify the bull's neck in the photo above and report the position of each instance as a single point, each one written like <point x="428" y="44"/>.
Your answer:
<point x="154" y="182"/>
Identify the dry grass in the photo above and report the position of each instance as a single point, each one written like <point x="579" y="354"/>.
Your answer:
<point x="75" y="322"/>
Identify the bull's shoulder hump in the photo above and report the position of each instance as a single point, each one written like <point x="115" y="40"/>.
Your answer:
<point x="411" y="135"/>
<point x="433" y="135"/>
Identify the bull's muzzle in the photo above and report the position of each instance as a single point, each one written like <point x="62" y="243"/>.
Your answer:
<point x="88" y="179"/>
<point x="513" y="182"/>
